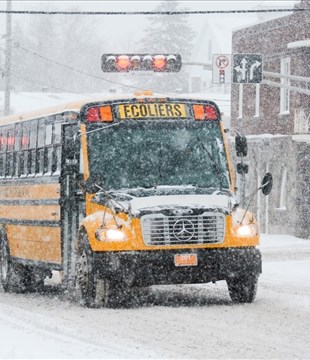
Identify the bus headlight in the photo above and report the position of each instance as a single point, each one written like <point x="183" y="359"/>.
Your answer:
<point x="247" y="230"/>
<point x="110" y="235"/>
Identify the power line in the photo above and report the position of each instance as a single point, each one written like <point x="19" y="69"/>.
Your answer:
<point x="88" y="74"/>
<point x="16" y="74"/>
<point x="81" y="71"/>
<point x="201" y="12"/>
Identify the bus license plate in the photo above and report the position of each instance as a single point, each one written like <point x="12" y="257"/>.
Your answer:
<point x="185" y="260"/>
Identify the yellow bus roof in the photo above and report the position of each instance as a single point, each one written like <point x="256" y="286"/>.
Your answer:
<point x="76" y="106"/>
<point x="69" y="106"/>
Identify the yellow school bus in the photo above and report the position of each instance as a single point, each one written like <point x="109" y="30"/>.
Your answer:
<point x="122" y="192"/>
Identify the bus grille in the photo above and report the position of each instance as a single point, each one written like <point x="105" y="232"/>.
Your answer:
<point x="207" y="228"/>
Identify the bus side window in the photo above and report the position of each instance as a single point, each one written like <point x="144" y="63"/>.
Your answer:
<point x="2" y="152"/>
<point x="57" y="149"/>
<point x="24" y="165"/>
<point x="40" y="147"/>
<point x="17" y="149"/>
<point x="32" y="147"/>
<point x="9" y="170"/>
<point x="48" y="158"/>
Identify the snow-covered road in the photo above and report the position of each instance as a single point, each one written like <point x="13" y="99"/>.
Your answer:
<point x="173" y="322"/>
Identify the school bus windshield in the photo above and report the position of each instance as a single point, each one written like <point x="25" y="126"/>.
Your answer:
<point x="151" y="153"/>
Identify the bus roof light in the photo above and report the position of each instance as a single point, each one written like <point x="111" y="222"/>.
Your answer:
<point x="93" y="114"/>
<point x="204" y="112"/>
<point x="106" y="113"/>
<point x="210" y="112"/>
<point x="99" y="114"/>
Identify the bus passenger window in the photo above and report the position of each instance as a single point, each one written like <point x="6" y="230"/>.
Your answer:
<point x="2" y="153"/>
<point x="48" y="160"/>
<point x="56" y="149"/>
<point x="40" y="148"/>
<point x="41" y="133"/>
<point x="48" y="134"/>
<point x="40" y="161"/>
<point x="57" y="133"/>
<point x="24" y="163"/>
<point x="9" y="168"/>
<point x="17" y="149"/>
<point x="57" y="160"/>
<point x="9" y="164"/>
<point x="32" y="161"/>
<point x="32" y="147"/>
<point x="48" y="151"/>
<point x="24" y="151"/>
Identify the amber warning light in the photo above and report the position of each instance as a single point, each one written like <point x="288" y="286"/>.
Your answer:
<point x="141" y="62"/>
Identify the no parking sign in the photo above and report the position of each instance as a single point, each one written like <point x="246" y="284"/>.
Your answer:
<point x="221" y="69"/>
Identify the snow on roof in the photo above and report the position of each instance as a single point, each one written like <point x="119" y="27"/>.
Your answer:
<point x="299" y="44"/>
<point x="30" y="105"/>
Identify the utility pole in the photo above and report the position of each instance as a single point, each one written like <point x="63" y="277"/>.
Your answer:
<point x="7" y="66"/>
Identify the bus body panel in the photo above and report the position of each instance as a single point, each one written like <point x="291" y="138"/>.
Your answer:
<point x="31" y="214"/>
<point x="35" y="243"/>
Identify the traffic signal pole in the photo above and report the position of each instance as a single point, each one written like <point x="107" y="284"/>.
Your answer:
<point x="7" y="66"/>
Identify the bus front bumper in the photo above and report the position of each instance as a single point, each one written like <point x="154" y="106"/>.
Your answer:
<point x="145" y="268"/>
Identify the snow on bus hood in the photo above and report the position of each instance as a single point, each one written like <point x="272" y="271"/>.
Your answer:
<point x="191" y="201"/>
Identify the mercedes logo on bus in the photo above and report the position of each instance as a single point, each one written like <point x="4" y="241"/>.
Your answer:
<point x="183" y="229"/>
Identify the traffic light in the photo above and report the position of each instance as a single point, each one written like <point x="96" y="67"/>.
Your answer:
<point x="222" y="76"/>
<point x="141" y="62"/>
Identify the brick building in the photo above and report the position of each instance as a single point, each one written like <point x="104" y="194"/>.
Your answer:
<point x="275" y="117"/>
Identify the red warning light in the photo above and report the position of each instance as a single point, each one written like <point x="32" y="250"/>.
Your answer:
<point x="159" y="62"/>
<point x="123" y="62"/>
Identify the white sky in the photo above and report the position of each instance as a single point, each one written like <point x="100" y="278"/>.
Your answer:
<point x="133" y="25"/>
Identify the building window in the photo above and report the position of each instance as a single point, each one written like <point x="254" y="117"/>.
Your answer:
<point x="257" y="100"/>
<point x="284" y="92"/>
<point x="240" y="101"/>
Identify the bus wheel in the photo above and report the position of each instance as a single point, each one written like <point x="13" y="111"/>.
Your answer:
<point x="242" y="289"/>
<point x="12" y="274"/>
<point x="85" y="274"/>
<point x="34" y="280"/>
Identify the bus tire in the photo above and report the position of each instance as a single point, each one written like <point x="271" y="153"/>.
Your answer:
<point x="242" y="289"/>
<point x="13" y="275"/>
<point x="34" y="279"/>
<point x="85" y="273"/>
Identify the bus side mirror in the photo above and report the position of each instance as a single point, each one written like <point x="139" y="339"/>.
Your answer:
<point x="241" y="145"/>
<point x="267" y="184"/>
<point x="242" y="168"/>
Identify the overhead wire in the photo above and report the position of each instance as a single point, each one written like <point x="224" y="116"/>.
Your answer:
<point x="86" y="73"/>
<point x="16" y="74"/>
<point x="90" y="75"/>
<point x="77" y="70"/>
<point x="169" y="13"/>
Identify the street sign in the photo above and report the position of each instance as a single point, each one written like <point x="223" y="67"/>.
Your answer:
<point x="247" y="68"/>
<point x="221" y="69"/>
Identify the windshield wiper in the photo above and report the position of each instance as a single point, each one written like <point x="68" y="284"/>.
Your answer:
<point x="106" y="198"/>
<point x="101" y="128"/>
